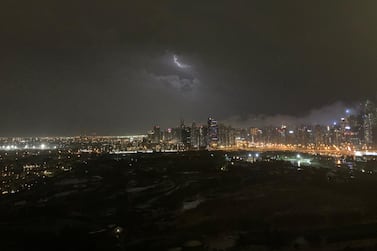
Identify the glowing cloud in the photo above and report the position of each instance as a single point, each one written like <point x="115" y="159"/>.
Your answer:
<point x="179" y="64"/>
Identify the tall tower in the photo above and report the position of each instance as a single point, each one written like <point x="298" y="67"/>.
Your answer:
<point x="156" y="134"/>
<point x="185" y="135"/>
<point x="212" y="132"/>
<point x="194" y="136"/>
<point x="369" y="123"/>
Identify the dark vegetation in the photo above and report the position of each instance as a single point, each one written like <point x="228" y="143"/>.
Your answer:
<point x="161" y="201"/>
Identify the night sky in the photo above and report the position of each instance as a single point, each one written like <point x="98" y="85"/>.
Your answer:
<point x="119" y="67"/>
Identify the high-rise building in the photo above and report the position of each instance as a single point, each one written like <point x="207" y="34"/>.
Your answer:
<point x="203" y="139"/>
<point x="212" y="132"/>
<point x="319" y="135"/>
<point x="168" y="135"/>
<point x="226" y="137"/>
<point x="156" y="135"/>
<point x="185" y="135"/>
<point x="255" y="134"/>
<point x="370" y="123"/>
<point x="195" y="136"/>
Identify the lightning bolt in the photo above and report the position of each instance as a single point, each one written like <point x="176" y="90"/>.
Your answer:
<point x="180" y="65"/>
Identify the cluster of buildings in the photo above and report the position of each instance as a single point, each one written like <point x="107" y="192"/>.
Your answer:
<point x="356" y="130"/>
<point x="193" y="137"/>
<point x="25" y="161"/>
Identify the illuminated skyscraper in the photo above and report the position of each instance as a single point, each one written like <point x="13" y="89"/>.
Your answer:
<point x="370" y="123"/>
<point x="156" y="135"/>
<point x="168" y="135"/>
<point x="195" y="136"/>
<point x="185" y="135"/>
<point x="212" y="132"/>
<point x="203" y="137"/>
<point x="226" y="136"/>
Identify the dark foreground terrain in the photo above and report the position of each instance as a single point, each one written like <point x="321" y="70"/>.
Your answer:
<point x="193" y="201"/>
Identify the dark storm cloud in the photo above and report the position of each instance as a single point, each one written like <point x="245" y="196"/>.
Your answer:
<point x="177" y="82"/>
<point x="172" y="72"/>
<point x="69" y="67"/>
<point x="325" y="115"/>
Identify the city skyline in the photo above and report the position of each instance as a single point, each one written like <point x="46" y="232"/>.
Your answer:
<point x="355" y="129"/>
<point x="323" y="116"/>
